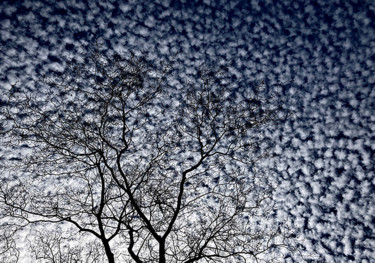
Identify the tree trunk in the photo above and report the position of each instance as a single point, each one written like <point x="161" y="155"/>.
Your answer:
<point x="108" y="252"/>
<point x="162" y="251"/>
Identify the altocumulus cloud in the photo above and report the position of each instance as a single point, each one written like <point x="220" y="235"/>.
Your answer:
<point x="325" y="155"/>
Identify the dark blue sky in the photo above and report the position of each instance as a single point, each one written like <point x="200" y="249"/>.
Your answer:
<point x="325" y="155"/>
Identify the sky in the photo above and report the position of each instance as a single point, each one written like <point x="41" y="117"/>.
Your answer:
<point x="323" y="157"/>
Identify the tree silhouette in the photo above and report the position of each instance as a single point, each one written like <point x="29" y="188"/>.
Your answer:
<point x="54" y="246"/>
<point x="156" y="172"/>
<point x="8" y="249"/>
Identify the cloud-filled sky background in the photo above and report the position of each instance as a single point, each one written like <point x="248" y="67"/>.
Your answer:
<point x="324" y="156"/>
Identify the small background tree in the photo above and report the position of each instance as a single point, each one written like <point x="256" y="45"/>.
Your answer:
<point x="154" y="172"/>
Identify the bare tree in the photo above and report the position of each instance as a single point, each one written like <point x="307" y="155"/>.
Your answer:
<point x="55" y="247"/>
<point x="8" y="250"/>
<point x="156" y="173"/>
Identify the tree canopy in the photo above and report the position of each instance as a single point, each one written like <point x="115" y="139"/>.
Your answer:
<point x="152" y="172"/>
